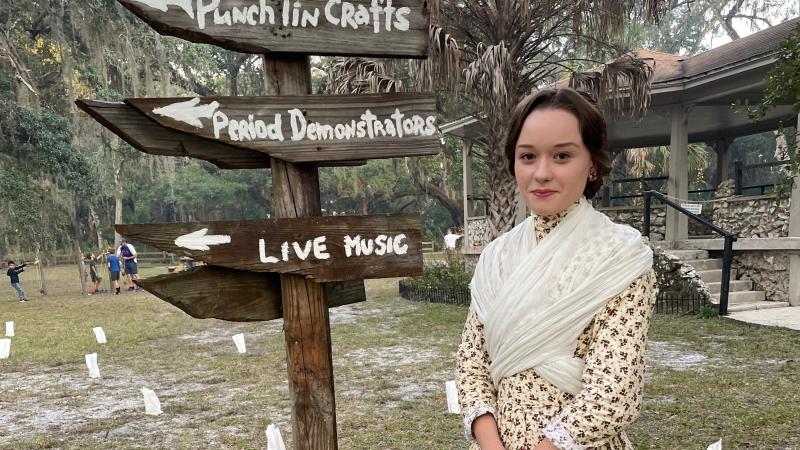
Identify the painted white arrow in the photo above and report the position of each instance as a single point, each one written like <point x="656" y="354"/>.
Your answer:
<point x="198" y="240"/>
<point x="188" y="111"/>
<point x="162" y="5"/>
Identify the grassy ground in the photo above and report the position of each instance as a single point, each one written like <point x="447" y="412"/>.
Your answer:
<point x="707" y="378"/>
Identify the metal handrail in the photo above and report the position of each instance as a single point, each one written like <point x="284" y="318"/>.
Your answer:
<point x="727" y="254"/>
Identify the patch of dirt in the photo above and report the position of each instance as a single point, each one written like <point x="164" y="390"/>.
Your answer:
<point x="674" y="356"/>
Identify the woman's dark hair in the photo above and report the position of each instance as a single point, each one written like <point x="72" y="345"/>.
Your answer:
<point x="590" y="121"/>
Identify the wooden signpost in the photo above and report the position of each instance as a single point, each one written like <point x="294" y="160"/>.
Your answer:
<point x="389" y="28"/>
<point x="300" y="264"/>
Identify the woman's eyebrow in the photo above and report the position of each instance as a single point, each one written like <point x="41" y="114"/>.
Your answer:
<point x="566" y="144"/>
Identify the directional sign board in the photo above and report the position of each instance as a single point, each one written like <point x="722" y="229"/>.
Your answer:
<point x="150" y="137"/>
<point x="396" y="28"/>
<point x="322" y="248"/>
<point x="216" y="292"/>
<point x="306" y="128"/>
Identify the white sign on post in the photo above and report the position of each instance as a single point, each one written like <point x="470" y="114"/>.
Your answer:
<point x="694" y="208"/>
<point x="91" y="363"/>
<point x="100" y="335"/>
<point x="152" y="405"/>
<point x="238" y="339"/>
<point x="452" y="398"/>
<point x="5" y="348"/>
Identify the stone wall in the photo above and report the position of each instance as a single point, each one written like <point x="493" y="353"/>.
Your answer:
<point x="674" y="277"/>
<point x="478" y="231"/>
<point x="752" y="216"/>
<point x="768" y="270"/>
<point x="633" y="216"/>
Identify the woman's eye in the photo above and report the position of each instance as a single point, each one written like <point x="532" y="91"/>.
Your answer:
<point x="526" y="156"/>
<point x="563" y="156"/>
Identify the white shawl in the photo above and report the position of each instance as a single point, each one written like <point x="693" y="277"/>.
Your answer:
<point x="535" y="298"/>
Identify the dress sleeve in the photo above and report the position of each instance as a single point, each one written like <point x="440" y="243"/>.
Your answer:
<point x="613" y="378"/>
<point x="476" y="391"/>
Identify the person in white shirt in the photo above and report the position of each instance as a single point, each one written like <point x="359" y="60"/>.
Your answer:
<point x="127" y="254"/>
<point x="450" y="240"/>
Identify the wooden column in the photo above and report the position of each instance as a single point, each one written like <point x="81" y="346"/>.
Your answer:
<point x="723" y="163"/>
<point x="678" y="182"/>
<point x="306" y="324"/>
<point x="466" y="159"/>
<point x="794" y="231"/>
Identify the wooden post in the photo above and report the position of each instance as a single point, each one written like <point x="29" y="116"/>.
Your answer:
<point x="678" y="182"/>
<point x="794" y="230"/>
<point x="306" y="323"/>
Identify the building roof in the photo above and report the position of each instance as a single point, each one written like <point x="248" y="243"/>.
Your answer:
<point x="710" y="81"/>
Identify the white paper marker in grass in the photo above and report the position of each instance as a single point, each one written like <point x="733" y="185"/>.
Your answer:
<point x="452" y="398"/>
<point x="10" y="328"/>
<point x="91" y="363"/>
<point x="274" y="439"/>
<point x="716" y="445"/>
<point x="238" y="339"/>
<point x="151" y="404"/>
<point x="100" y="335"/>
<point x="5" y="348"/>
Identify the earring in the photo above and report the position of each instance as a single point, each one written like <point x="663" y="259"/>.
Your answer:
<point x="592" y="175"/>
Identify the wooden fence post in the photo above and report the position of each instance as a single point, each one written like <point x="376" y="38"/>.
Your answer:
<point x="306" y="323"/>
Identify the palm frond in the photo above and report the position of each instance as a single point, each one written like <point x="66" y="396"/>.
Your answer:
<point x="443" y="65"/>
<point x="360" y="76"/>
<point x="620" y="85"/>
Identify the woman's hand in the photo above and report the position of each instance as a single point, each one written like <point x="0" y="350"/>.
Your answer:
<point x="484" y="428"/>
<point x="546" y="444"/>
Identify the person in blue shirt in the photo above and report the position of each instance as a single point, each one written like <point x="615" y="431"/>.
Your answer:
<point x="13" y="272"/>
<point x="114" y="269"/>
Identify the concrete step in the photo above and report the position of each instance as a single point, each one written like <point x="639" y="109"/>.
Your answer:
<point x="756" y="305"/>
<point x="734" y="286"/>
<point x="710" y="276"/>
<point x="685" y="255"/>
<point x="704" y="264"/>
<point x="741" y="297"/>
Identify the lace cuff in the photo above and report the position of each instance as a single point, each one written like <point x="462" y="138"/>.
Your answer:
<point x="560" y="437"/>
<point x="472" y="414"/>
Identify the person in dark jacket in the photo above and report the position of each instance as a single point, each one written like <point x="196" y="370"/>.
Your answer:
<point x="13" y="273"/>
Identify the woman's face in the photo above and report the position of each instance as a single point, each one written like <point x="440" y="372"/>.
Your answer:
<point x="551" y="162"/>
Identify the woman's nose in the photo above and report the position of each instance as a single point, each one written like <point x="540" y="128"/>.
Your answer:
<point x="543" y="171"/>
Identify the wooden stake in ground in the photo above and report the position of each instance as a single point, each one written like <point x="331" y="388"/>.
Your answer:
<point x="306" y="323"/>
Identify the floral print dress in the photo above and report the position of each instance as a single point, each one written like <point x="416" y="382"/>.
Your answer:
<point x="527" y="408"/>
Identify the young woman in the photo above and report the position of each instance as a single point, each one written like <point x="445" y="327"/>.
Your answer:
<point x="552" y="354"/>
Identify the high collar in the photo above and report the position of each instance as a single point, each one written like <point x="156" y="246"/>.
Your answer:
<point x="545" y="224"/>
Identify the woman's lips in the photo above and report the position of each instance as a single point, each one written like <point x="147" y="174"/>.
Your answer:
<point x="543" y="193"/>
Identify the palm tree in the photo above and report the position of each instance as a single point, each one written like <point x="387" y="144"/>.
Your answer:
<point x="498" y="51"/>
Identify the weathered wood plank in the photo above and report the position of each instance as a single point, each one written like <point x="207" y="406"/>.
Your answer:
<point x="150" y="137"/>
<point x="399" y="28"/>
<point x="307" y="128"/>
<point x="322" y="248"/>
<point x="211" y="292"/>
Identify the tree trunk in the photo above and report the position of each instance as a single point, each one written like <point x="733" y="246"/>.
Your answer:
<point x="454" y="207"/>
<point x="40" y="271"/>
<point x="502" y="194"/>
<point x="117" y="201"/>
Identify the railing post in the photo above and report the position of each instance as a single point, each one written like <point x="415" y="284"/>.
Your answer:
<point x="738" y="177"/>
<point x="646" y="218"/>
<point x="727" y="260"/>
